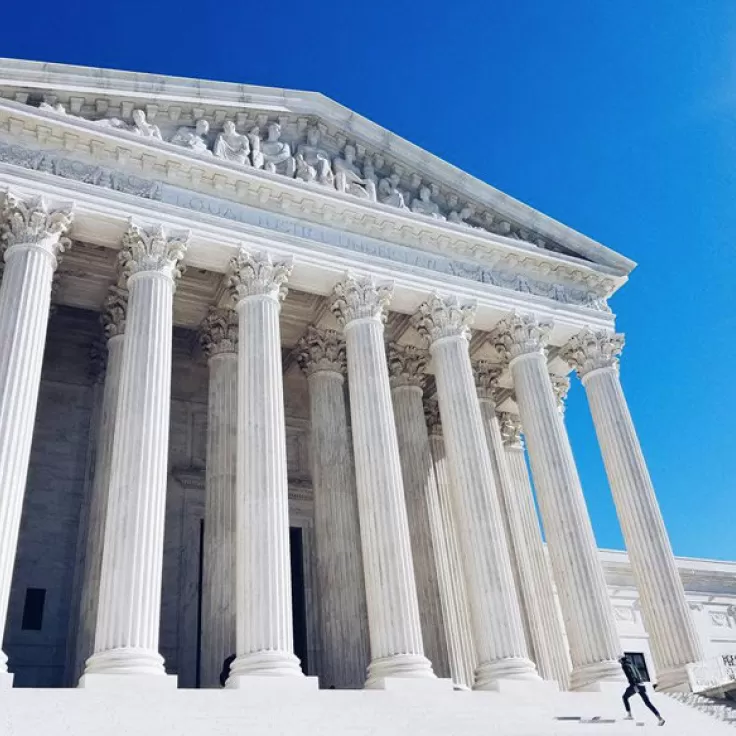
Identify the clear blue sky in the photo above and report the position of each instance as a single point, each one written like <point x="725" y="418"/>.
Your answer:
<point x="617" y="118"/>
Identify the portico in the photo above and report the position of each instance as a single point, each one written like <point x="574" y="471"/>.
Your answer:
<point x="313" y="309"/>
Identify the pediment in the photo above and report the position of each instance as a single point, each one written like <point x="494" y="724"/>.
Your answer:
<point x="347" y="153"/>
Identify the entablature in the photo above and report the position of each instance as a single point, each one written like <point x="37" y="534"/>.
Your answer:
<point x="120" y="160"/>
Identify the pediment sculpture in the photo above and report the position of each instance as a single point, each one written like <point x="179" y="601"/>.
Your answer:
<point x="350" y="179"/>
<point x="312" y="159"/>
<point x="193" y="138"/>
<point x="231" y="145"/>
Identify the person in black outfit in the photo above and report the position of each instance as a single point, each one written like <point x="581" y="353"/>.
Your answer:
<point x="636" y="685"/>
<point x="226" y="669"/>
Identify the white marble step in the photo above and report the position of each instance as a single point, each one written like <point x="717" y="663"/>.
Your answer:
<point x="282" y="711"/>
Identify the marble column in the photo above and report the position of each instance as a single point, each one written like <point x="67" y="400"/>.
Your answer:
<point x="264" y="634"/>
<point x="454" y="597"/>
<point x="113" y="320"/>
<point x="672" y="635"/>
<point x="594" y="646"/>
<point x="553" y="658"/>
<point x="33" y="237"/>
<point x="219" y="340"/>
<point x="127" y="632"/>
<point x="497" y="626"/>
<point x="343" y="616"/>
<point x="397" y="649"/>
<point x="486" y="376"/>
<point x="407" y="378"/>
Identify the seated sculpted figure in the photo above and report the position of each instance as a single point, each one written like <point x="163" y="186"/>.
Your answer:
<point x="193" y="138"/>
<point x="424" y="205"/>
<point x="389" y="192"/>
<point x="141" y="126"/>
<point x="276" y="153"/>
<point x="316" y="157"/>
<point x="231" y="145"/>
<point x="304" y="171"/>
<point x="58" y="108"/>
<point x="348" y="177"/>
<point x="460" y="216"/>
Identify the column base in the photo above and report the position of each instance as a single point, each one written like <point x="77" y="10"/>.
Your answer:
<point x="410" y="684"/>
<point x="121" y="683"/>
<point x="126" y="661"/>
<point x="267" y="664"/>
<point x="6" y="680"/>
<point x="398" y="666"/>
<point x="488" y="674"/>
<point x="259" y="683"/>
<point x="536" y="687"/>
<point x="596" y="677"/>
<point x="674" y="680"/>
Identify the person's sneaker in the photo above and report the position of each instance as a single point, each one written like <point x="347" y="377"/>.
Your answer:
<point x="660" y="722"/>
<point x="628" y="717"/>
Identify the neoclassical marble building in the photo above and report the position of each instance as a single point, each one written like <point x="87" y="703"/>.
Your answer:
<point x="269" y="379"/>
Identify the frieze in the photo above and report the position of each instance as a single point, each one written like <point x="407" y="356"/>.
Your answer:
<point x="504" y="273"/>
<point x="55" y="163"/>
<point x="393" y="252"/>
<point x="303" y="148"/>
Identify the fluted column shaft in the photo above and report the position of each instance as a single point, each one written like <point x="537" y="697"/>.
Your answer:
<point x="591" y="630"/>
<point x="264" y="638"/>
<point x="218" y="337"/>
<point x="672" y="635"/>
<point x="553" y="658"/>
<point x="420" y="489"/>
<point x="127" y="632"/>
<point x="512" y="525"/>
<point x="455" y="608"/>
<point x="114" y="317"/>
<point x="393" y="611"/>
<point x="497" y="626"/>
<point x="32" y="240"/>
<point x="343" y="615"/>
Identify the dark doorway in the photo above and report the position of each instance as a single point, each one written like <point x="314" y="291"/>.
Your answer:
<point x="298" y="602"/>
<point x="637" y="659"/>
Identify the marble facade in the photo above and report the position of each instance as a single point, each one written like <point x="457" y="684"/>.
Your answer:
<point x="310" y="330"/>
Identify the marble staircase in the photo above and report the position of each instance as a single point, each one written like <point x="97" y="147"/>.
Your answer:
<point x="417" y="708"/>
<point x="721" y="709"/>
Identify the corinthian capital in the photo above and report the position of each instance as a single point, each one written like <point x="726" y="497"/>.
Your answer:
<point x="590" y="350"/>
<point x="359" y="297"/>
<point x="152" y="250"/>
<point x="560" y="387"/>
<point x="407" y="366"/>
<point x="440" y="317"/>
<point x="321" y="350"/>
<point x="257" y="274"/>
<point x="487" y="375"/>
<point x="114" y="312"/>
<point x="510" y="425"/>
<point x="520" y="334"/>
<point x="31" y="221"/>
<point x="432" y="415"/>
<point x="218" y="332"/>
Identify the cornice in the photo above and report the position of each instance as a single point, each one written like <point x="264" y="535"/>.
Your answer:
<point x="121" y="160"/>
<point x="101" y="92"/>
<point x="102" y="216"/>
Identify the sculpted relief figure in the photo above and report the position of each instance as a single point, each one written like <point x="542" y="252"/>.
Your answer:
<point x="193" y="138"/>
<point x="460" y="216"/>
<point x="58" y="108"/>
<point x="276" y="153"/>
<point x="424" y="205"/>
<point x="348" y="177"/>
<point x="304" y="171"/>
<point x="141" y="126"/>
<point x="316" y="158"/>
<point x="231" y="145"/>
<point x="389" y="192"/>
